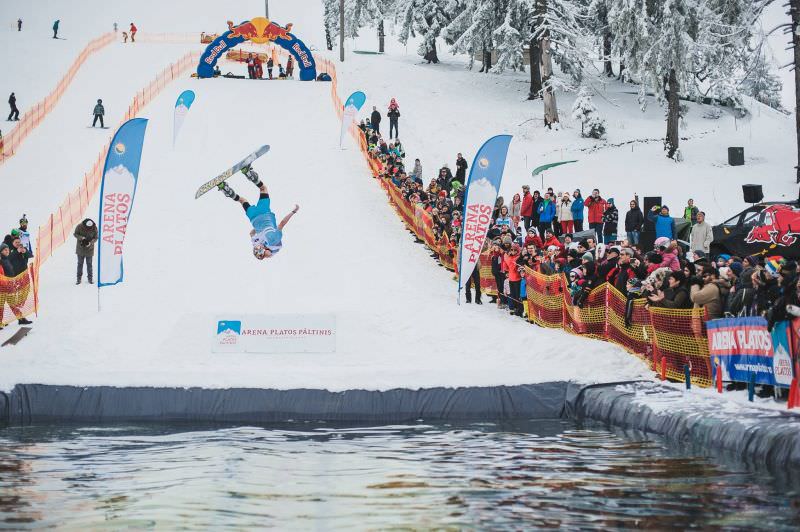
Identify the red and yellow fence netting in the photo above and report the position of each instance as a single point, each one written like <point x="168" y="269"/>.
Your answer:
<point x="656" y="335"/>
<point x="9" y="144"/>
<point x="18" y="296"/>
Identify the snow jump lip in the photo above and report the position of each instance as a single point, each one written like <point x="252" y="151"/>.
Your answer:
<point x="756" y="436"/>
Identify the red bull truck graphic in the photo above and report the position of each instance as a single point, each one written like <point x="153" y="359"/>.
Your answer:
<point x="781" y="226"/>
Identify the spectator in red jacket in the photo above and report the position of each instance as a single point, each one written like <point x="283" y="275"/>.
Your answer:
<point x="133" y="32"/>
<point x="597" y="206"/>
<point x="527" y="206"/>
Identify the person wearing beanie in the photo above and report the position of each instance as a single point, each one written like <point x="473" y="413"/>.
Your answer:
<point x="577" y="210"/>
<point x="610" y="221"/>
<point x="675" y="296"/>
<point x="6" y="267"/>
<point x="665" y="225"/>
<point x="24" y="235"/>
<point x="86" y="235"/>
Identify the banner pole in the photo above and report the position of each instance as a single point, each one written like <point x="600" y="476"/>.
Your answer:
<point x="98" y="297"/>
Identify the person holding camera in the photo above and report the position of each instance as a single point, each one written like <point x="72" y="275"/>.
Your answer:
<point x="675" y="296"/>
<point x="86" y="235"/>
<point x="708" y="291"/>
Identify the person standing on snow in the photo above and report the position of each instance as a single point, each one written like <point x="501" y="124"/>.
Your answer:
<point x="12" y="103"/>
<point x="375" y="120"/>
<point x="115" y="27"/>
<point x="394" y="118"/>
<point x="267" y="235"/>
<point x="133" y="31"/>
<point x="86" y="235"/>
<point x="526" y="210"/>
<point x="461" y="169"/>
<point x="665" y="225"/>
<point x="597" y="206"/>
<point x="577" y="210"/>
<point x="24" y="235"/>
<point x="99" y="111"/>
<point x="290" y="67"/>
<point x="702" y="235"/>
<point x="547" y="212"/>
<point x="55" y="28"/>
<point x="610" y="222"/>
<point x="634" y="219"/>
<point x="270" y="65"/>
<point x="19" y="24"/>
<point x="251" y="67"/>
<point x="690" y="212"/>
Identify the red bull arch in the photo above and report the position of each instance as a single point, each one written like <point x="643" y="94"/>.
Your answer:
<point x="259" y="30"/>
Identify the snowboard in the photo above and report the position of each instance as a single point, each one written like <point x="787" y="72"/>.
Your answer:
<point x="247" y="161"/>
<point x="96" y="127"/>
<point x="21" y="333"/>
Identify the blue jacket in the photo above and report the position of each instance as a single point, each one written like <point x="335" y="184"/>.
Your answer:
<point x="577" y="209"/>
<point x="665" y="225"/>
<point x="547" y="211"/>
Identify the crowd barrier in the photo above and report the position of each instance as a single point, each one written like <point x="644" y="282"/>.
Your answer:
<point x="666" y="339"/>
<point x="18" y="296"/>
<point x="9" y="144"/>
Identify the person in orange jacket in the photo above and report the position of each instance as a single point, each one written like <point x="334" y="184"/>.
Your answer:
<point x="133" y="32"/>
<point x="597" y="206"/>
<point x="511" y="269"/>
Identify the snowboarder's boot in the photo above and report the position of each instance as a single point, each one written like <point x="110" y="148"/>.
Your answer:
<point x="227" y="190"/>
<point x="251" y="175"/>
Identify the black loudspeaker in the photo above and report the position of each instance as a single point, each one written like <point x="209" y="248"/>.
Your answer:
<point x="735" y="156"/>
<point x="752" y="193"/>
<point x="649" y="203"/>
<point x="647" y="240"/>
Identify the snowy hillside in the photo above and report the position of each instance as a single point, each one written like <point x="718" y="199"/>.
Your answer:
<point x="188" y="261"/>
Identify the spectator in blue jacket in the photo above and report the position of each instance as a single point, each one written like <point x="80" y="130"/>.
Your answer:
<point x="577" y="210"/>
<point x="665" y="225"/>
<point x="547" y="211"/>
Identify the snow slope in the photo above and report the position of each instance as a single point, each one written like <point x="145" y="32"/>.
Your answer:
<point x="51" y="162"/>
<point x="345" y="252"/>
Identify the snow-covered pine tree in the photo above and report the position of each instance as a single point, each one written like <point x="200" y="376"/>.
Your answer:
<point x="760" y="81"/>
<point x="470" y="30"/>
<point x="424" y="17"/>
<point x="584" y="111"/>
<point x="681" y="46"/>
<point x="508" y="40"/>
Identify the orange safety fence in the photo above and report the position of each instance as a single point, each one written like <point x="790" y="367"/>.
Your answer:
<point x="9" y="144"/>
<point x="59" y="225"/>
<point x="18" y="296"/>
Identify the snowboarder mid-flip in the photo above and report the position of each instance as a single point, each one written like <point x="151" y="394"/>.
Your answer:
<point x="267" y="235"/>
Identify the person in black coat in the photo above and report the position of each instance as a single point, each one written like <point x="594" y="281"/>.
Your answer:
<point x="6" y="266"/>
<point x="19" y="256"/>
<point x="394" y="119"/>
<point x="634" y="219"/>
<point x="461" y="169"/>
<point x="12" y="103"/>
<point x="375" y="120"/>
<point x="270" y="64"/>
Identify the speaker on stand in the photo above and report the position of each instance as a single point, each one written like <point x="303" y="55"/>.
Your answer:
<point x="752" y="193"/>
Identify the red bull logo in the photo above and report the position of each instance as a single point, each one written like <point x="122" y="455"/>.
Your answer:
<point x="259" y="30"/>
<point x="781" y="226"/>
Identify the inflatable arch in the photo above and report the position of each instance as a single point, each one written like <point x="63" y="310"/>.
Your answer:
<point x="258" y="30"/>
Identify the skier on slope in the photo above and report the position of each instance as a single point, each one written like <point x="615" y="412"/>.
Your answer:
<point x="266" y="235"/>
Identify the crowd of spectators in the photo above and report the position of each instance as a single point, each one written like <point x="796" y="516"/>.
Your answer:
<point x="564" y="232"/>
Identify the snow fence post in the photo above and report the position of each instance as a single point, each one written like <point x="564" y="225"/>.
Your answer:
<point x="687" y="375"/>
<point x="751" y="387"/>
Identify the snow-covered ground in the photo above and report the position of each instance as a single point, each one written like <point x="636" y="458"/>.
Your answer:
<point x="346" y="252"/>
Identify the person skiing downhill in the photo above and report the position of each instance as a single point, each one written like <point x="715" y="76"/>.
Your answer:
<point x="266" y="236"/>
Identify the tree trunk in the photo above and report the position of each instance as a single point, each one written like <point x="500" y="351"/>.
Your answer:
<point x="536" y="74"/>
<point x="621" y="70"/>
<point x="794" y="10"/>
<point x="328" y="40"/>
<point x="341" y="30"/>
<point x="430" y="55"/>
<point x="673" y="115"/>
<point x="607" y="54"/>
<point x="381" y="35"/>
<point x="487" y="60"/>
<point x="549" y="95"/>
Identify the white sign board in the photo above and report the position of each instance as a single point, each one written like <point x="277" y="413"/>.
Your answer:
<point x="275" y="333"/>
